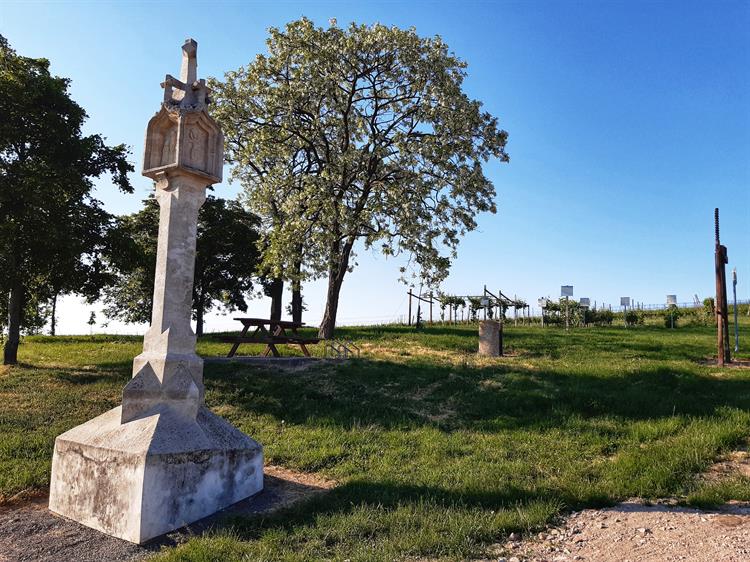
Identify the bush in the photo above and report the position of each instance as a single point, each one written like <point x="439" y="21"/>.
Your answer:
<point x="633" y="317"/>
<point x="603" y="317"/>
<point x="671" y="315"/>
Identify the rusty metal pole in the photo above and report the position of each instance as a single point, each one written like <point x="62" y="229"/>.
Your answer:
<point x="722" y="320"/>
<point x="725" y="305"/>
<point x="717" y="308"/>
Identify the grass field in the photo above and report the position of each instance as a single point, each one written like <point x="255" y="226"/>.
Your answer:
<point x="438" y="452"/>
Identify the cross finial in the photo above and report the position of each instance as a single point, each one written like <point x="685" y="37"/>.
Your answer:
<point x="189" y="70"/>
<point x="188" y="92"/>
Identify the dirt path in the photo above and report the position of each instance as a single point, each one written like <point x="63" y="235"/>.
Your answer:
<point x="635" y="532"/>
<point x="30" y="532"/>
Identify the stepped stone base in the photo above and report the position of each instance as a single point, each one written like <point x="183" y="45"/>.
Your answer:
<point x="156" y="473"/>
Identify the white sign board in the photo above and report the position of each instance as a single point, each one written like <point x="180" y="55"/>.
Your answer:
<point x="671" y="300"/>
<point x="566" y="291"/>
<point x="543" y="302"/>
<point x="585" y="302"/>
<point x="624" y="301"/>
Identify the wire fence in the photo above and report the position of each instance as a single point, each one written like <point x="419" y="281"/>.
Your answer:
<point x="535" y="312"/>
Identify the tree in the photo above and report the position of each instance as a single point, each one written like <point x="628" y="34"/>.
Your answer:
<point x="225" y="262"/>
<point x="51" y="228"/>
<point x="356" y="135"/>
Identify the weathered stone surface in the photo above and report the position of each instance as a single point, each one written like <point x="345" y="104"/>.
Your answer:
<point x="162" y="460"/>
<point x="141" y="479"/>
<point x="489" y="338"/>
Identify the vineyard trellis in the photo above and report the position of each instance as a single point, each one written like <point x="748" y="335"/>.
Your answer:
<point x="490" y="304"/>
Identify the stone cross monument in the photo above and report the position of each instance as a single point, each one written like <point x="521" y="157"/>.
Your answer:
<point x="162" y="459"/>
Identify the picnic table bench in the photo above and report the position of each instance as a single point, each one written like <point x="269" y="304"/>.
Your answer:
<point x="271" y="333"/>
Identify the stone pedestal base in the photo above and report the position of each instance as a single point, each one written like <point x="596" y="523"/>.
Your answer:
<point x="489" y="338"/>
<point x="156" y="473"/>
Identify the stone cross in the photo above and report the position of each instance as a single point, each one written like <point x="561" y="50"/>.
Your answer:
<point x="189" y="69"/>
<point x="163" y="460"/>
<point x="188" y="91"/>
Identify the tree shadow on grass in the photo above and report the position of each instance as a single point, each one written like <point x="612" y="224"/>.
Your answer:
<point x="400" y="395"/>
<point x="84" y="378"/>
<point x="457" y="522"/>
<point x="104" y="372"/>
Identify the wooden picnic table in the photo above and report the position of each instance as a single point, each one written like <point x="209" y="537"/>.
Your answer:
<point x="272" y="333"/>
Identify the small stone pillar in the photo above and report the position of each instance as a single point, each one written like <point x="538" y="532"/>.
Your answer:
<point x="489" y="338"/>
<point x="162" y="459"/>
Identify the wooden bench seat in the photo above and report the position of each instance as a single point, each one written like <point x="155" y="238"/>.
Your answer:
<point x="267" y="340"/>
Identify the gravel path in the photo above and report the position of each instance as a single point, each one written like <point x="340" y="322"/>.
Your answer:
<point x="30" y="532"/>
<point x="635" y="532"/>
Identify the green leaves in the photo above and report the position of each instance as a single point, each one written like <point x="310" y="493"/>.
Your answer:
<point x="361" y="134"/>
<point x="51" y="227"/>
<point x="225" y="263"/>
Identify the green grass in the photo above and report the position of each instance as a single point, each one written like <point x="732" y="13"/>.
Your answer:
<point x="438" y="452"/>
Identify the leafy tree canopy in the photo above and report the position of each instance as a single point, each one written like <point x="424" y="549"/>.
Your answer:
<point x="358" y="134"/>
<point x="225" y="263"/>
<point x="51" y="227"/>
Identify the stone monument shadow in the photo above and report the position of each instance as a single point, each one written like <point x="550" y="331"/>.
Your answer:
<point x="29" y="531"/>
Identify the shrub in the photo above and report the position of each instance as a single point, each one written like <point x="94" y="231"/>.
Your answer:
<point x="633" y="317"/>
<point x="671" y="314"/>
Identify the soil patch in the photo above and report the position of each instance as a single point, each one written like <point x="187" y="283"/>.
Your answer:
<point x="733" y="364"/>
<point x="30" y="532"/>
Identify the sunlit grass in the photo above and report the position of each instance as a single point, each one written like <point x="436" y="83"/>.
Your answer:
<point x="437" y="452"/>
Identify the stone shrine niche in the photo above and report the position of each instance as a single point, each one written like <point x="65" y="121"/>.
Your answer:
<point x="201" y="145"/>
<point x="186" y="140"/>
<point x="161" y="142"/>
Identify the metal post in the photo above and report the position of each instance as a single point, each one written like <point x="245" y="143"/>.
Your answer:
<point x="736" y="325"/>
<point x="409" y="307"/>
<point x="567" y="317"/>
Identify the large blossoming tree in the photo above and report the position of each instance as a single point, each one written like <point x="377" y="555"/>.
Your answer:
<point x="361" y="135"/>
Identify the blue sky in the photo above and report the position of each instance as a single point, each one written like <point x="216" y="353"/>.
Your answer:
<point x="628" y="121"/>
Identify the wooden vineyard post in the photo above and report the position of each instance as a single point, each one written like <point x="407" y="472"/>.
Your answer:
<point x="484" y="295"/>
<point x="430" y="307"/>
<point x="722" y="318"/>
<point x="502" y="325"/>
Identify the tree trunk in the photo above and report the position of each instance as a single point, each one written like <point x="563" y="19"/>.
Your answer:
<point x="199" y="316"/>
<point x="296" y="301"/>
<point x="277" y="292"/>
<point x="297" y="294"/>
<point x="15" y="304"/>
<point x="335" y="280"/>
<point x="328" y="325"/>
<point x="53" y="320"/>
